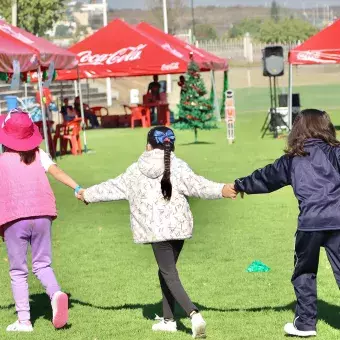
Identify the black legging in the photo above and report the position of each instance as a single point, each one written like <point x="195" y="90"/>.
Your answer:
<point x="166" y="254"/>
<point x="306" y="261"/>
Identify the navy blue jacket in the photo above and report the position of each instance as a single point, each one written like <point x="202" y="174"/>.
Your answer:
<point x="315" y="180"/>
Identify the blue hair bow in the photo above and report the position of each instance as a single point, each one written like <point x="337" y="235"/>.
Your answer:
<point x="162" y="137"/>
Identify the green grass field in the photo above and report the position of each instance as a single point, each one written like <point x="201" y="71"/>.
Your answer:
<point x="113" y="283"/>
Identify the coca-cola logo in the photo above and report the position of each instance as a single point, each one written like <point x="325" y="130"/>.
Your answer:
<point x="170" y="67"/>
<point x="314" y="56"/>
<point x="172" y="50"/>
<point x="123" y="55"/>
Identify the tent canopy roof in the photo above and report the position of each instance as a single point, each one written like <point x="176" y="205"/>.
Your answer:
<point x="204" y="59"/>
<point x="322" y="48"/>
<point x="11" y="50"/>
<point x="120" y="50"/>
<point x="45" y="50"/>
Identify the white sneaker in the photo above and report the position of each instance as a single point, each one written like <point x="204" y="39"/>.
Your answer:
<point x="164" y="326"/>
<point x="60" y="309"/>
<point x="198" y="326"/>
<point x="18" y="326"/>
<point x="290" y="329"/>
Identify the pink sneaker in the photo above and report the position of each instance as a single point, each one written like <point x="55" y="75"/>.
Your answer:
<point x="60" y="309"/>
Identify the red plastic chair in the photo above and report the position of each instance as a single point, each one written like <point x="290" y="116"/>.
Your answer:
<point x="71" y="136"/>
<point x="60" y="130"/>
<point x="139" y="113"/>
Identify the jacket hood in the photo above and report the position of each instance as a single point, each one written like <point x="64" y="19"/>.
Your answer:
<point x="151" y="163"/>
<point x="313" y="141"/>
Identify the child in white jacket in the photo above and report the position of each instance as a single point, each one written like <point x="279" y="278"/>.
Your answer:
<point x="157" y="187"/>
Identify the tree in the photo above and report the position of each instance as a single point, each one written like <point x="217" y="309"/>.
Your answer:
<point x="251" y="26"/>
<point x="286" y="30"/>
<point x="275" y="11"/>
<point x="205" y="32"/>
<point x="195" y="111"/>
<point x="35" y="16"/>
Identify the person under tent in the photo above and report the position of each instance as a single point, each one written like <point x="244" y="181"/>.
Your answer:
<point x="88" y="114"/>
<point x="67" y="111"/>
<point x="154" y="89"/>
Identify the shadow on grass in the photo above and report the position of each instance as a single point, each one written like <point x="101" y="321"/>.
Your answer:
<point x="327" y="312"/>
<point x="197" y="143"/>
<point x="41" y="308"/>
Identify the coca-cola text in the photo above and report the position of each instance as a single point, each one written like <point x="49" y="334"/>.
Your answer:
<point x="123" y="55"/>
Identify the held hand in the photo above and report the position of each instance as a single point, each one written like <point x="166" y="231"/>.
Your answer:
<point x="80" y="195"/>
<point x="229" y="191"/>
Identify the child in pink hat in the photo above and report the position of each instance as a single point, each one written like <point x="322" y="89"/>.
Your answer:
<point x="27" y="209"/>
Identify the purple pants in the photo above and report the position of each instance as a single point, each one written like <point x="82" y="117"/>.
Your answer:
<point x="18" y="235"/>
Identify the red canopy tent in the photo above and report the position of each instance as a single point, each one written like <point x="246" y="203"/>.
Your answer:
<point x="11" y="50"/>
<point x="120" y="50"/>
<point x="48" y="52"/>
<point x="207" y="61"/>
<point x="322" y="48"/>
<point x="130" y="53"/>
<point x="33" y="53"/>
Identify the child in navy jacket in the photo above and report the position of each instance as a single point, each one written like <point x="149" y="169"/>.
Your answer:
<point x="311" y="165"/>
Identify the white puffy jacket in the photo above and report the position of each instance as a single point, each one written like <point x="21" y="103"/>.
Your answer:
<point x="153" y="219"/>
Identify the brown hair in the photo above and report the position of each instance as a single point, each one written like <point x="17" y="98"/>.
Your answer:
<point x="310" y="123"/>
<point x="27" y="157"/>
<point x="168" y="147"/>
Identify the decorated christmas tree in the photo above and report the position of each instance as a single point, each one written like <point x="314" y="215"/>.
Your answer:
<point x="195" y="111"/>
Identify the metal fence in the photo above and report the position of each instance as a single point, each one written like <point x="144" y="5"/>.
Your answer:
<point x="237" y="48"/>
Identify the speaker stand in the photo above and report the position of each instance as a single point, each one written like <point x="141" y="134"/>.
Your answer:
<point x="273" y="119"/>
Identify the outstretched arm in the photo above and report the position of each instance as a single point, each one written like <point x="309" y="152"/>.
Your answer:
<point x="268" y="179"/>
<point x="50" y="167"/>
<point x="192" y="185"/>
<point x="111" y="190"/>
<point x="61" y="176"/>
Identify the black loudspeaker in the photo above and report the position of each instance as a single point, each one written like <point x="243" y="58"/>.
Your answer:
<point x="283" y="100"/>
<point x="273" y="61"/>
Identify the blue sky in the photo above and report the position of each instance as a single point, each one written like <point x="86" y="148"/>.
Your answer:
<point x="118" y="4"/>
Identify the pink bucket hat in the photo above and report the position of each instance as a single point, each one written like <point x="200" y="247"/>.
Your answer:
<point x="18" y="132"/>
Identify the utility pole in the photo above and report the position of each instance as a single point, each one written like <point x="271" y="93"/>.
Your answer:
<point x="14" y="12"/>
<point x="193" y="20"/>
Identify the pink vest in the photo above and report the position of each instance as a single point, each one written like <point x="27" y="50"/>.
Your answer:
<point x="24" y="190"/>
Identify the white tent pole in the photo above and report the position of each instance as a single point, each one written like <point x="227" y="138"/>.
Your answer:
<point x="43" y="112"/>
<point x="290" y="96"/>
<point x="108" y="80"/>
<point x="75" y="88"/>
<point x="82" y="112"/>
<point x="216" y="104"/>
<point x="166" y="30"/>
<point x="25" y="89"/>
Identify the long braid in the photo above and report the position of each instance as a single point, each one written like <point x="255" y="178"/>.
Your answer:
<point x="166" y="185"/>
